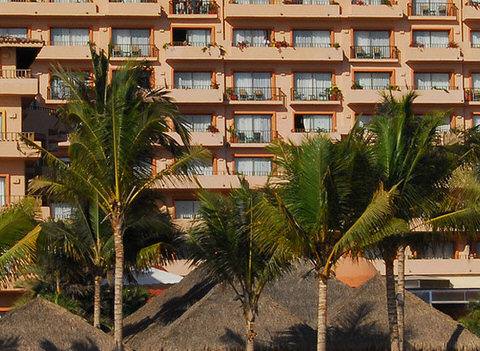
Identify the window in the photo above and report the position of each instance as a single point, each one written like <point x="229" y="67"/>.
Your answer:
<point x="364" y="120"/>
<point x="311" y="38"/>
<point x="131" y="42"/>
<point x="61" y="211"/>
<point x="191" y="37"/>
<point x="372" y="80"/>
<point x="475" y="91"/>
<point x="198" y="123"/>
<point x="60" y="91"/>
<point x="313" y="123"/>
<point x="444" y="126"/>
<point x="476" y="39"/>
<point x="372" y="45"/>
<point x="427" y="81"/>
<point x="312" y="86"/>
<point x="253" y="2"/>
<point x="476" y="123"/>
<point x="431" y="39"/>
<point x="69" y="36"/>
<point x="193" y="80"/>
<point x="186" y="209"/>
<point x="440" y="250"/>
<point x="202" y="168"/>
<point x="13" y="32"/>
<point x="3" y="126"/>
<point x="253" y="85"/>
<point x="3" y="191"/>
<point x="430" y="8"/>
<point x="251" y="37"/>
<point x="255" y="166"/>
<point x="253" y="128"/>
<point x="202" y="7"/>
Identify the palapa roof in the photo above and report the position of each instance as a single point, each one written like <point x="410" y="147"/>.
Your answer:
<point x="43" y="326"/>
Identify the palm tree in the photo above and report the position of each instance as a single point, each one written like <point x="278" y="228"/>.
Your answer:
<point x="115" y="125"/>
<point x="406" y="159"/>
<point x="18" y="237"/>
<point x="224" y="242"/>
<point x="325" y="206"/>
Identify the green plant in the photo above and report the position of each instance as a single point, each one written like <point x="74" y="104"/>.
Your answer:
<point x="335" y="93"/>
<point x="336" y="45"/>
<point x="212" y="129"/>
<point x="357" y="85"/>
<point x="166" y="46"/>
<point x="452" y="44"/>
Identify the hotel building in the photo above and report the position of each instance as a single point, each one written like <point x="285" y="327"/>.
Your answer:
<point x="245" y="72"/>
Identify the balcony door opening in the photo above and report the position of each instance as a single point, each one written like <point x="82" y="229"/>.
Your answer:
<point x="191" y="37"/>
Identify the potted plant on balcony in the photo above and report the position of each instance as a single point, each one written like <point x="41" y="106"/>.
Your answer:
<point x="215" y="85"/>
<point x="452" y="45"/>
<point x="468" y="95"/>
<point x="281" y="44"/>
<point x="242" y="45"/>
<point x="393" y="87"/>
<point x="231" y="94"/>
<point x="335" y="93"/>
<point x="166" y="46"/>
<point x="336" y="45"/>
<point x="212" y="129"/>
<point x="356" y="86"/>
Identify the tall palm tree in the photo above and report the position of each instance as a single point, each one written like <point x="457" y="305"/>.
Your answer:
<point x="18" y="236"/>
<point x="114" y="127"/>
<point x="224" y="242"/>
<point x="325" y="206"/>
<point x="407" y="159"/>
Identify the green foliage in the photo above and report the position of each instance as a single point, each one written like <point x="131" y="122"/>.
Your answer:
<point x="472" y="320"/>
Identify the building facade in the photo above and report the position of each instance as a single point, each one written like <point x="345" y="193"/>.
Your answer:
<point x="245" y="72"/>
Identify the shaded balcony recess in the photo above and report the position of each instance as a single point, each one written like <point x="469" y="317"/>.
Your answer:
<point x="189" y="7"/>
<point x="134" y="50"/>
<point x="244" y="136"/>
<point x="374" y="52"/>
<point x="432" y="9"/>
<point x="312" y="94"/>
<point x="254" y="94"/>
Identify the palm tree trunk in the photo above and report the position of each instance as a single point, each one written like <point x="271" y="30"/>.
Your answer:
<point x="391" y="302"/>
<point x="250" y="330"/>
<point x="96" y="302"/>
<point x="117" y="229"/>
<point x="322" y="314"/>
<point x="401" y="296"/>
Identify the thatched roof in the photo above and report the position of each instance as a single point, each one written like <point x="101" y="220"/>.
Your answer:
<point x="360" y="323"/>
<point x="43" y="326"/>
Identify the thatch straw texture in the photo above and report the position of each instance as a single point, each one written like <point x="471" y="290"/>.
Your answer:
<point x="43" y="326"/>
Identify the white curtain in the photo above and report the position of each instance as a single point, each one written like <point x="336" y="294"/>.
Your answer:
<point x="372" y="80"/>
<point x="132" y="39"/>
<point x="13" y="32"/>
<point x="445" y="125"/>
<point x="373" y="43"/>
<point x="3" y="191"/>
<point x="198" y="37"/>
<point x="186" y="209"/>
<point x="253" y="128"/>
<point x="311" y="38"/>
<point x="476" y="81"/>
<point x="253" y="166"/>
<point x="476" y="39"/>
<point x="252" y="37"/>
<point x="312" y="85"/>
<point x="421" y="38"/>
<point x="201" y="167"/>
<point x="439" y="39"/>
<point x="425" y="81"/>
<point x="61" y="211"/>
<point x="364" y="120"/>
<point x="476" y="122"/>
<point x="69" y="36"/>
<point x="193" y="80"/>
<point x="198" y="123"/>
<point x="253" y="85"/>
<point x="317" y="123"/>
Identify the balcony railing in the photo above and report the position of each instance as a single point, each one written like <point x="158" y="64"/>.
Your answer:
<point x="198" y="86"/>
<point x="312" y="130"/>
<point x="357" y="86"/>
<point x="254" y="94"/>
<point x="201" y="44"/>
<point x="372" y="2"/>
<point x="472" y="94"/>
<point x="192" y="7"/>
<point x="15" y="73"/>
<point x="285" y="2"/>
<point x="432" y="9"/>
<point x="430" y="45"/>
<point x="51" y="1"/>
<point x="12" y="136"/>
<point x="254" y="173"/>
<point x="69" y="42"/>
<point x="374" y="52"/>
<point x="244" y="136"/>
<point x="436" y="87"/>
<point x="314" y="45"/>
<point x="475" y="46"/>
<point x="134" y="50"/>
<point x="311" y="94"/>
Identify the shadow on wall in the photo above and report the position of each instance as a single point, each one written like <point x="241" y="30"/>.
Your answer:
<point x="13" y="344"/>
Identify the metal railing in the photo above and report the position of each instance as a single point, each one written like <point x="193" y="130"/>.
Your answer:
<point x="134" y="50"/>
<point x="254" y="94"/>
<point x="192" y="7"/>
<point x="475" y="46"/>
<point x="13" y="136"/>
<point x="15" y="73"/>
<point x="312" y="45"/>
<point x="370" y="86"/>
<point x="195" y="86"/>
<point x="374" y="52"/>
<point x="285" y="2"/>
<point x="436" y="87"/>
<point x="311" y="94"/>
<point x="191" y="43"/>
<point x="69" y="42"/>
<point x="245" y="136"/>
<point x="373" y="2"/>
<point x="472" y="94"/>
<point x="431" y="9"/>
<point x="254" y="173"/>
<point x="429" y="45"/>
<point x="306" y="2"/>
<point x="309" y="130"/>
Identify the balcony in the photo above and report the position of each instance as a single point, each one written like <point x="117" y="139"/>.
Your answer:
<point x="431" y="53"/>
<point x="193" y="9"/>
<point x="471" y="53"/>
<point x="179" y="52"/>
<point x="374" y="53"/>
<point x="471" y="11"/>
<point x="434" y="96"/>
<point x="12" y="145"/>
<point x="254" y="138"/>
<point x="17" y="82"/>
<point x="75" y="8"/>
<point x="134" y="51"/>
<point x="299" y="135"/>
<point x="281" y="8"/>
<point x="255" y="95"/>
<point x="432" y="10"/>
<point x="57" y="94"/>
<point x="198" y="95"/>
<point x="472" y="96"/>
<point x="322" y="96"/>
<point x="65" y="51"/>
<point x="370" y="95"/>
<point x="203" y="138"/>
<point x="374" y="9"/>
<point x="288" y="53"/>
<point x="143" y="8"/>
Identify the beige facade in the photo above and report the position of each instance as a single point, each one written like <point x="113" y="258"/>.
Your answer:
<point x="248" y="71"/>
